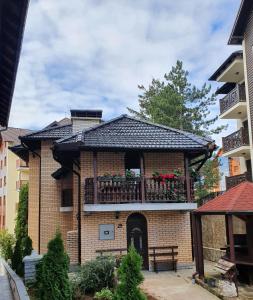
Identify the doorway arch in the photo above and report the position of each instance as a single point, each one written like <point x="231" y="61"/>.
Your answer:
<point x="137" y="235"/>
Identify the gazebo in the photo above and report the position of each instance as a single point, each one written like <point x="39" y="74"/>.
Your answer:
<point x="237" y="201"/>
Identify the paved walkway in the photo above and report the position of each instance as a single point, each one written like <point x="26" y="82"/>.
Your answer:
<point x="5" y="291"/>
<point x="174" y="286"/>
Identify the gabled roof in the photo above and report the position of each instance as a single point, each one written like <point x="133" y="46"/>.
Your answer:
<point x="53" y="132"/>
<point x="224" y="65"/>
<point x="12" y="134"/>
<point x="12" y="22"/>
<point x="127" y="132"/>
<point x="241" y="21"/>
<point x="236" y="199"/>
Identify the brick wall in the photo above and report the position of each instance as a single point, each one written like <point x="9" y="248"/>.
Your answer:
<point x="164" y="228"/>
<point x="72" y="246"/>
<point x="161" y="162"/>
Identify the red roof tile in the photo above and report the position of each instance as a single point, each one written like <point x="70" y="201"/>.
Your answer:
<point x="237" y="199"/>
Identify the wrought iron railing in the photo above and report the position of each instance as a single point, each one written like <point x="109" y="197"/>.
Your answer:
<point x="237" y="179"/>
<point x="129" y="190"/>
<point x="236" y="139"/>
<point x="235" y="96"/>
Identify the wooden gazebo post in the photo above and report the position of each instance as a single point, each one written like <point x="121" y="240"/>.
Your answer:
<point x="231" y="237"/>
<point x="142" y="178"/>
<point x="198" y="244"/>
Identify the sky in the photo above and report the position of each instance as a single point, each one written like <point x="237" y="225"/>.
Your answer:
<point x="93" y="53"/>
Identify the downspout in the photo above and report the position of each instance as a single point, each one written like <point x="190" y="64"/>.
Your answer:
<point x="38" y="155"/>
<point x="79" y="236"/>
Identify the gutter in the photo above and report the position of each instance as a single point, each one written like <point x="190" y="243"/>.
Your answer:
<point x="39" y="225"/>
<point x="78" y="216"/>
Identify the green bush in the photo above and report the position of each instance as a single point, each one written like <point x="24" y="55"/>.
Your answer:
<point x="7" y="242"/>
<point x="52" y="272"/>
<point x="104" y="294"/>
<point x="130" y="276"/>
<point x="95" y="275"/>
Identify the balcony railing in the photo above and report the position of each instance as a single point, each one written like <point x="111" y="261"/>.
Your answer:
<point x="235" y="140"/>
<point x="235" y="180"/>
<point x="130" y="191"/>
<point x="235" y="96"/>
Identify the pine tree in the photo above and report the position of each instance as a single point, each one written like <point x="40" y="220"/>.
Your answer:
<point x="52" y="272"/>
<point x="23" y="244"/>
<point x="176" y="103"/>
<point x="130" y="277"/>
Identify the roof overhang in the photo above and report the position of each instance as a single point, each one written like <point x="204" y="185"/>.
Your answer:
<point x="12" y="23"/>
<point x="225" y="88"/>
<point x="237" y="34"/>
<point x="20" y="151"/>
<point x="231" y="70"/>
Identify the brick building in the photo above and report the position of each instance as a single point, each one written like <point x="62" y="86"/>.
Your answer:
<point x="94" y="180"/>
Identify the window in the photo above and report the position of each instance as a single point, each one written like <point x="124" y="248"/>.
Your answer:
<point x="67" y="198"/>
<point x="4" y="201"/>
<point x="4" y="180"/>
<point x="5" y="161"/>
<point x="1" y="182"/>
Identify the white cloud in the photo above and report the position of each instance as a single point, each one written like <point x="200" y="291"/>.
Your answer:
<point x="94" y="53"/>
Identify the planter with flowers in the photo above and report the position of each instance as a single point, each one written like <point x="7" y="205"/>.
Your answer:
<point x="170" y="185"/>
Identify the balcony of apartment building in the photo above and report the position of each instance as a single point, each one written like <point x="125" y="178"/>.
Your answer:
<point x="233" y="105"/>
<point x="237" y="143"/>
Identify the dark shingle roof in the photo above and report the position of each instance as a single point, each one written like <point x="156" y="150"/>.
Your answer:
<point x="54" y="133"/>
<point x="130" y="133"/>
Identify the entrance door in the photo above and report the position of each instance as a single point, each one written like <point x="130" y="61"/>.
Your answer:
<point x="137" y="235"/>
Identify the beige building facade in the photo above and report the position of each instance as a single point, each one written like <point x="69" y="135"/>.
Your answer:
<point x="14" y="173"/>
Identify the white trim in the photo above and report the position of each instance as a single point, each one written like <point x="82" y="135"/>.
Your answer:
<point x="139" y="207"/>
<point x="66" y="209"/>
<point x="231" y="109"/>
<point x="237" y="152"/>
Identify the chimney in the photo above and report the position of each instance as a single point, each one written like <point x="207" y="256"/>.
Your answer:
<point x="83" y="119"/>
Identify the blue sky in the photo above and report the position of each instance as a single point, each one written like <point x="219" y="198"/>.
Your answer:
<point x="94" y="53"/>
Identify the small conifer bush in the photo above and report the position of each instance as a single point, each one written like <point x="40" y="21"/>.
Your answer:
<point x="52" y="272"/>
<point x="130" y="277"/>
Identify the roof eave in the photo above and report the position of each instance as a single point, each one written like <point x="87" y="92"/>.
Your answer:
<point x="237" y="33"/>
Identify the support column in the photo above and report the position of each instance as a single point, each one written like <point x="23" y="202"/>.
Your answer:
<point x="249" y="231"/>
<point x="231" y="238"/>
<point x="201" y="270"/>
<point x="227" y="234"/>
<point x="187" y="179"/>
<point x="95" y="179"/>
<point x="142" y="178"/>
<point x="194" y="242"/>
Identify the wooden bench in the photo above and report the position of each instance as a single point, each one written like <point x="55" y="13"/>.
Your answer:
<point x="169" y="254"/>
<point x="226" y="268"/>
<point x="119" y="250"/>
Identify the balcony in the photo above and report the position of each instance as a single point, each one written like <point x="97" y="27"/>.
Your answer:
<point x="233" y="105"/>
<point x="237" y="144"/>
<point x="235" y="180"/>
<point x="125" y="194"/>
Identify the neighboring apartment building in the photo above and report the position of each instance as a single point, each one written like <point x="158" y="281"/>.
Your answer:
<point x="237" y="74"/>
<point x="94" y="180"/>
<point x="13" y="173"/>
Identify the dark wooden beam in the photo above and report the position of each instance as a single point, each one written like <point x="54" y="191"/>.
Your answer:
<point x="195" y="242"/>
<point x="142" y="177"/>
<point x="201" y="270"/>
<point x="226" y="226"/>
<point x="249" y="231"/>
<point x="187" y="178"/>
<point x="95" y="175"/>
<point x="231" y="238"/>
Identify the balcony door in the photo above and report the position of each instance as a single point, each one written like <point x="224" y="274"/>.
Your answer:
<point x="132" y="163"/>
<point x="137" y="235"/>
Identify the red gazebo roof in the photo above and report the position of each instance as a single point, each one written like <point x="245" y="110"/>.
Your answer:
<point x="236" y="199"/>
